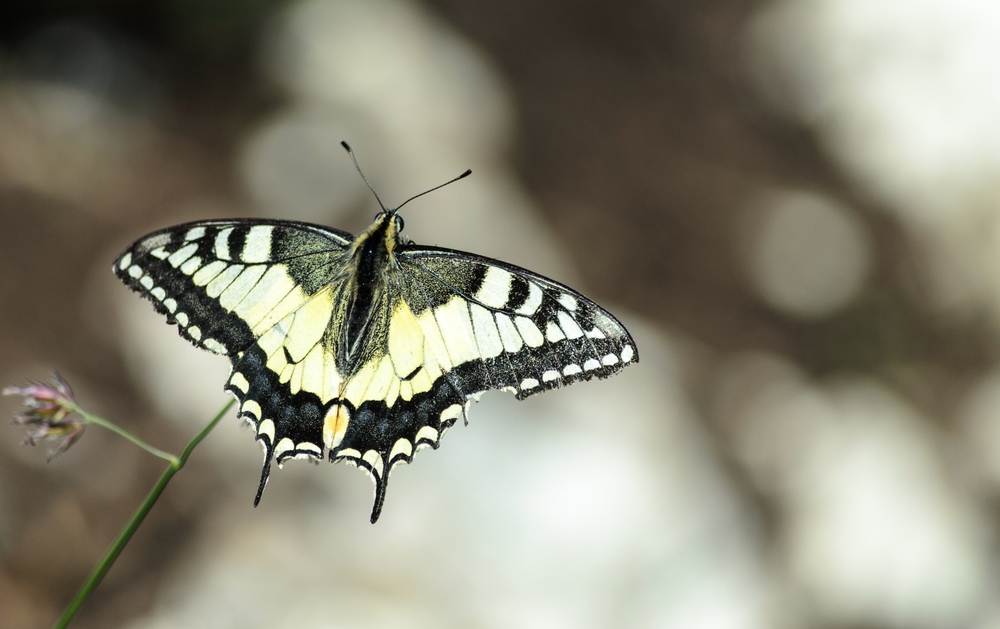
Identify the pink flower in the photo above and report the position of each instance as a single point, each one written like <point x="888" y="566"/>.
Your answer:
<point x="47" y="413"/>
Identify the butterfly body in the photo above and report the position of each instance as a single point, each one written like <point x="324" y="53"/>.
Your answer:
<point x="367" y="271"/>
<point x="368" y="348"/>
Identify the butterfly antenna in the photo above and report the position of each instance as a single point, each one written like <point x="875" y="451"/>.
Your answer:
<point x="462" y="176"/>
<point x="354" y="159"/>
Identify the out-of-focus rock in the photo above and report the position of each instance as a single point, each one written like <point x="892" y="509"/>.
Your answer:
<point x="808" y="255"/>
<point x="873" y="529"/>
<point x="898" y="94"/>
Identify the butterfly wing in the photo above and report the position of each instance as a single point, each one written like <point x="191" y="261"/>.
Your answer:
<point x="509" y="328"/>
<point x="264" y="294"/>
<point x="215" y="279"/>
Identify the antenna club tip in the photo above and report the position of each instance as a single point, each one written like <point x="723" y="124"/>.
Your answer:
<point x="346" y="146"/>
<point x="465" y="174"/>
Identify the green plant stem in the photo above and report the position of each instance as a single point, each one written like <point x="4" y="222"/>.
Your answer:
<point x="94" y="419"/>
<point x="176" y="463"/>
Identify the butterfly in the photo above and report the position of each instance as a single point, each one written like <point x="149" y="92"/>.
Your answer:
<point x="365" y="348"/>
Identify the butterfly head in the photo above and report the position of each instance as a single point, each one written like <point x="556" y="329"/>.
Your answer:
<point x="392" y="223"/>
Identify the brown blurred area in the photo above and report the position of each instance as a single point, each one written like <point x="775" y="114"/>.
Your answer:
<point x="638" y="131"/>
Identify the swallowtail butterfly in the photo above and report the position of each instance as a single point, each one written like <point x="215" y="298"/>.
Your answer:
<point x="365" y="348"/>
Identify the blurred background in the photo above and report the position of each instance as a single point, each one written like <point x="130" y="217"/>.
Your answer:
<point x="793" y="204"/>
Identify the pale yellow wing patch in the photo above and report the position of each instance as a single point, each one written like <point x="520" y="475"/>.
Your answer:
<point x="299" y="335"/>
<point x="406" y="340"/>
<point x="409" y="348"/>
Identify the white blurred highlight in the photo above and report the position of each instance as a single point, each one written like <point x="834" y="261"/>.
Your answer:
<point x="979" y="421"/>
<point x="904" y="95"/>
<point x="294" y="167"/>
<point x="809" y="254"/>
<point x="876" y="533"/>
<point x="398" y="64"/>
<point x="419" y="104"/>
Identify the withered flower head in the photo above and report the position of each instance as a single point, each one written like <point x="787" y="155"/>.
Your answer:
<point x="48" y="413"/>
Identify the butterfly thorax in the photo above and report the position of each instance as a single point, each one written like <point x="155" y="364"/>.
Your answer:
<point x="364" y="298"/>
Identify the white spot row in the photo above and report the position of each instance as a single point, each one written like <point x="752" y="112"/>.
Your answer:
<point x="572" y="369"/>
<point x="214" y="346"/>
<point x="426" y="436"/>
<point x="187" y="266"/>
<point x="266" y="428"/>
<point x="402" y="447"/>
<point x="251" y="408"/>
<point x="374" y="459"/>
<point x="451" y="413"/>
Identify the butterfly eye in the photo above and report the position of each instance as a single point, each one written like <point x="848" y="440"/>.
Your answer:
<point x="399" y="223"/>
